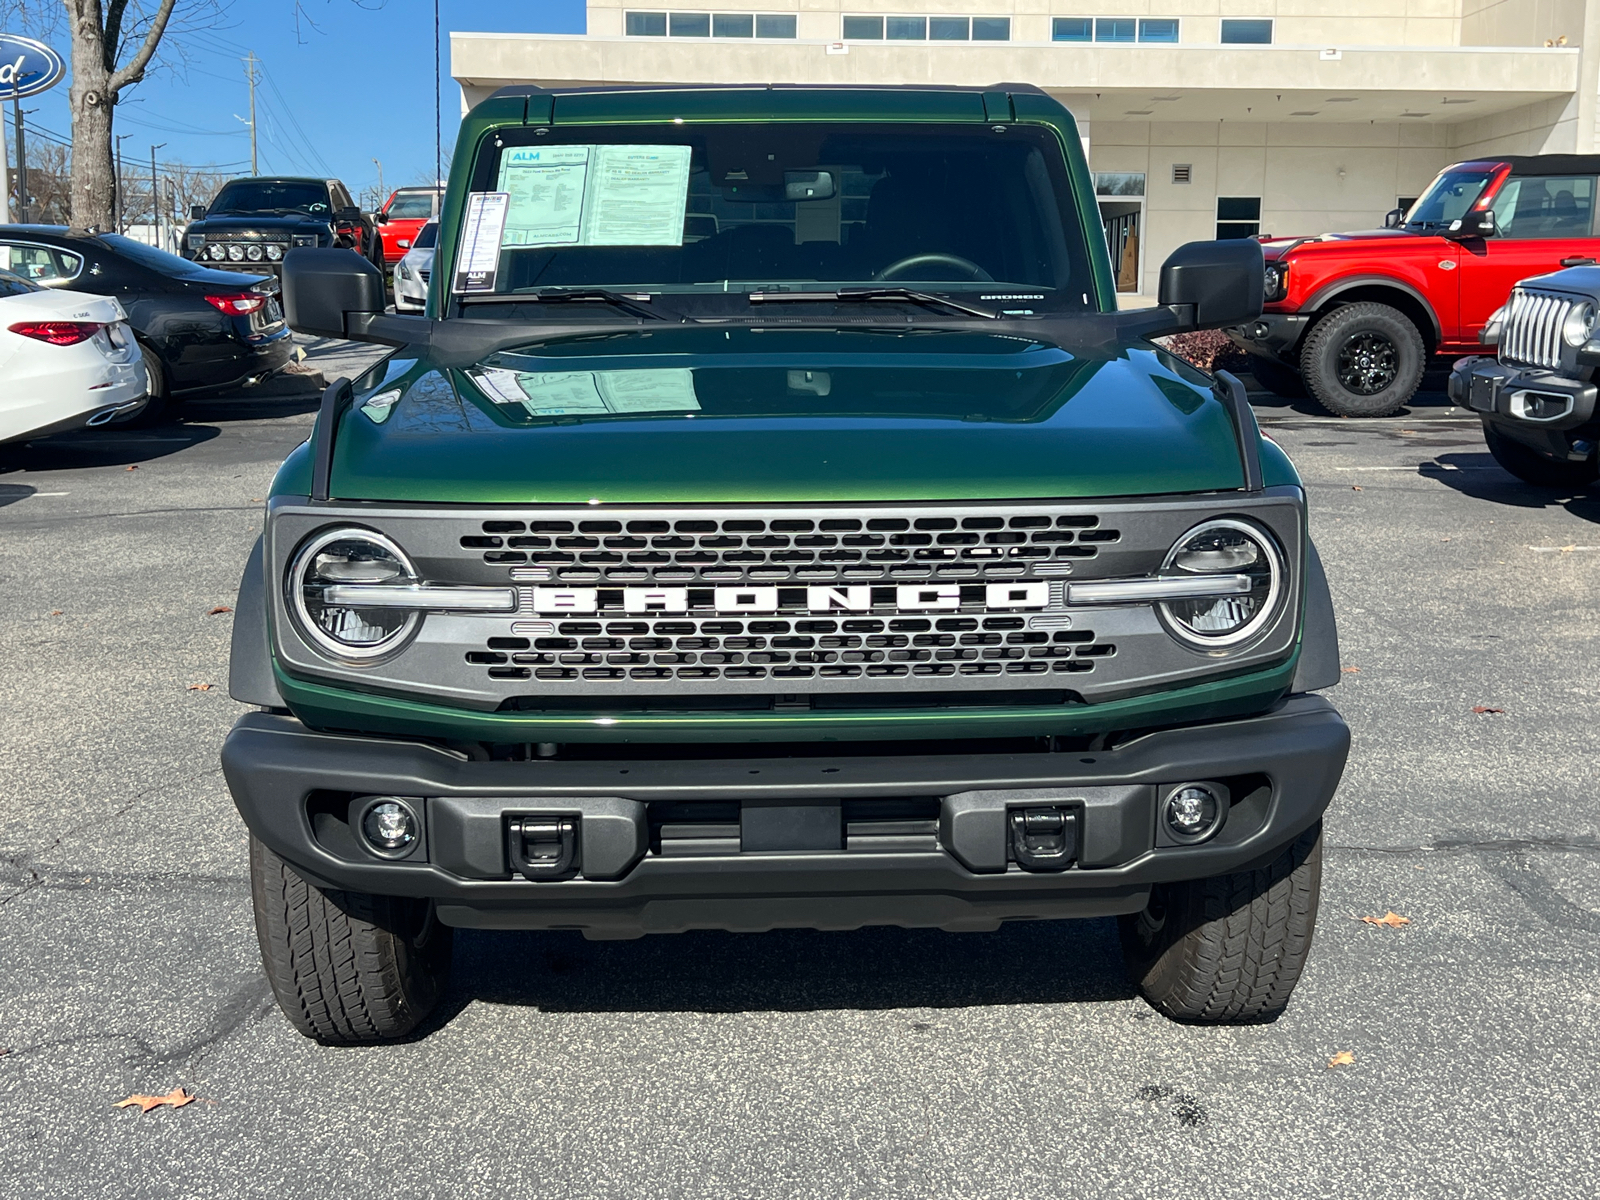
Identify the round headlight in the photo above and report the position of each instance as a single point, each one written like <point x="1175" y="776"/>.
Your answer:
<point x="274" y="252"/>
<point x="1232" y="548"/>
<point x="389" y="826"/>
<point x="235" y="253"/>
<point x="352" y="632"/>
<point x="253" y="253"/>
<point x="216" y="252"/>
<point x="1575" y="330"/>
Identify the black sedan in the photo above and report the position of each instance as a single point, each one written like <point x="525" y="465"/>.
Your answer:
<point x="200" y="330"/>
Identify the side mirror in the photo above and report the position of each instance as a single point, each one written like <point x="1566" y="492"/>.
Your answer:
<point x="1392" y="218"/>
<point x="323" y="289"/>
<point x="347" y="216"/>
<point x="1474" y="223"/>
<point x="197" y="212"/>
<point x="1218" y="283"/>
<point x="382" y="218"/>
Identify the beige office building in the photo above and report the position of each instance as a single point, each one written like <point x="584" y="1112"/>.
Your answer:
<point x="1201" y="118"/>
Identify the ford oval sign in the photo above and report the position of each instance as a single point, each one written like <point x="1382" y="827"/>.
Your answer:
<point x="27" y="67"/>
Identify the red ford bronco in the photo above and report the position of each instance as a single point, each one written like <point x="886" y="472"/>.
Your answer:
<point x="1354" y="318"/>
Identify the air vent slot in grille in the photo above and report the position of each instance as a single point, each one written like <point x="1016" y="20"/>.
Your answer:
<point x="789" y="650"/>
<point x="797" y="549"/>
<point x="1531" y="333"/>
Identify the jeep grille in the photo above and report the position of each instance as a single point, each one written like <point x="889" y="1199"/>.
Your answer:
<point x="1531" y="334"/>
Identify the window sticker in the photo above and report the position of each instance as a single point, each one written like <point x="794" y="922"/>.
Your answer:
<point x="595" y="195"/>
<point x="591" y="393"/>
<point x="479" y="260"/>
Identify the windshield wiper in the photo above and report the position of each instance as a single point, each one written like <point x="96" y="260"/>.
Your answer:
<point x="630" y="302"/>
<point x="927" y="299"/>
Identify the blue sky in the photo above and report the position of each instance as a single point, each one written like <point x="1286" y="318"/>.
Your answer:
<point x="356" y="86"/>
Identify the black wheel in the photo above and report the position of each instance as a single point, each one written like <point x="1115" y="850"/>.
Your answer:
<point x="1363" y="360"/>
<point x="1278" y="378"/>
<point x="159" y="404"/>
<point x="1528" y="465"/>
<point x="1228" y="950"/>
<point x="346" y="967"/>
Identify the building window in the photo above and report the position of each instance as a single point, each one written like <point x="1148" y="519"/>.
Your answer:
<point x="924" y="29"/>
<point x="1238" y="216"/>
<point x="646" y="24"/>
<point x="1247" y="33"/>
<point x="1163" y="30"/>
<point x="700" y="24"/>
<point x="1072" y="29"/>
<point x="1119" y="183"/>
<point x="1115" y="29"/>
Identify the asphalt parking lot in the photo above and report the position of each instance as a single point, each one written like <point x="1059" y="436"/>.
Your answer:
<point x="882" y="1062"/>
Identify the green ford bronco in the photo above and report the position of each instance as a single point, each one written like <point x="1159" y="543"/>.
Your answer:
<point x="773" y="523"/>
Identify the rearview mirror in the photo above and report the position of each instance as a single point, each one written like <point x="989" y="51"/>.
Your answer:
<point x="1223" y="282"/>
<point x="1474" y="223"/>
<point x="808" y="185"/>
<point x="197" y="212"/>
<point x="1392" y="218"/>
<point x="323" y="289"/>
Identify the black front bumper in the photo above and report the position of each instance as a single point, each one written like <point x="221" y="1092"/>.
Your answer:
<point x="1271" y="335"/>
<point x="286" y="780"/>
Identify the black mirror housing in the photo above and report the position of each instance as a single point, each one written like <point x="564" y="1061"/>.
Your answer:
<point x="347" y="215"/>
<point x="1474" y="223"/>
<point x="1392" y="218"/>
<point x="1223" y="283"/>
<point x="382" y="218"/>
<point x="197" y="212"/>
<point x="323" y="289"/>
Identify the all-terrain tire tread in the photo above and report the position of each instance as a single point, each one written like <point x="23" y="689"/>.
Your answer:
<point x="1333" y="325"/>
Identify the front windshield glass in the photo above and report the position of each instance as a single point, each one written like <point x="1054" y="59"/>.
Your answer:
<point x="271" y="196"/>
<point x="410" y="206"/>
<point x="1448" y="197"/>
<point x="805" y="207"/>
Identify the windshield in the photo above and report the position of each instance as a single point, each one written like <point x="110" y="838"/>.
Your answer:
<point x="15" y="285"/>
<point x="271" y="196"/>
<point x="427" y="237"/>
<point x="410" y="206"/>
<point x="154" y="259"/>
<point x="1448" y="197"/>
<point x="743" y="208"/>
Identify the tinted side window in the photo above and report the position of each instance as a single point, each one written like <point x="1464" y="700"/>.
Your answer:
<point x="1546" y="206"/>
<point x="39" y="264"/>
<point x="14" y="285"/>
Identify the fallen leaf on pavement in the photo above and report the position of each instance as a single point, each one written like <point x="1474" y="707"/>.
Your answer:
<point x="1355" y="487"/>
<point x="221" y="608"/>
<point x="177" y="1097"/>
<point x="1350" y="670"/>
<point x="201" y="687"/>
<point x="55" y="612"/>
<point x="1482" y="709"/>
<point x="1342" y="1059"/>
<point x="1392" y="919"/>
<point x="135" y="467"/>
<point x="1568" y="549"/>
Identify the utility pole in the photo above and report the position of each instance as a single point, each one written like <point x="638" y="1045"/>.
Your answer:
<point x="438" y="155"/>
<point x="117" y="199"/>
<point x="250" y="62"/>
<point x="382" y="195"/>
<point x="22" y="162"/>
<point x="155" y="194"/>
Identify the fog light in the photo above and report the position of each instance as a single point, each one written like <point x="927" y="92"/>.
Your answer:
<point x="389" y="827"/>
<point x="1193" y="813"/>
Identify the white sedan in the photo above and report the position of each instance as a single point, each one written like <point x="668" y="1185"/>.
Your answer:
<point x="411" y="272"/>
<point x="67" y="360"/>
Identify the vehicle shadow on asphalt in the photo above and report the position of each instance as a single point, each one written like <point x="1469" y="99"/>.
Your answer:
<point x="1024" y="962"/>
<point x="117" y="446"/>
<point x="1481" y="478"/>
<point x="1431" y="396"/>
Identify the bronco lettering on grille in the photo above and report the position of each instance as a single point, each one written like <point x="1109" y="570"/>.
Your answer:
<point x="735" y="601"/>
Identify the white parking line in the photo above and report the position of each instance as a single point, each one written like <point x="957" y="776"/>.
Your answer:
<point x="1426" y="466"/>
<point x="1561" y="549"/>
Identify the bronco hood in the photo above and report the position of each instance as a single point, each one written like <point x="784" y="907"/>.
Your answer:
<point x="785" y="415"/>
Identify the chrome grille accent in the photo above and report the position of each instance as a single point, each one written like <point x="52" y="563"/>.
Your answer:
<point x="795" y="549"/>
<point x="1531" y="334"/>
<point x="788" y="650"/>
<point x="424" y="273"/>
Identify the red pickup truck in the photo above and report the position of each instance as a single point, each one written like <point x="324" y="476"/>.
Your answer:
<point x="402" y="217"/>
<point x="1355" y="318"/>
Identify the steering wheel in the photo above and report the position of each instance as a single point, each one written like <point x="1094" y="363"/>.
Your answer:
<point x="969" y="269"/>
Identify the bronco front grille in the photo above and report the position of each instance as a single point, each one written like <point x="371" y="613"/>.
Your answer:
<point x="798" y="549"/>
<point x="1531" y="333"/>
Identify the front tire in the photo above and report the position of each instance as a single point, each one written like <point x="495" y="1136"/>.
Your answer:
<point x="1278" y="378"/>
<point x="1363" y="360"/>
<point x="1532" y="467"/>
<point x="347" y="968"/>
<point x="1228" y="950"/>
